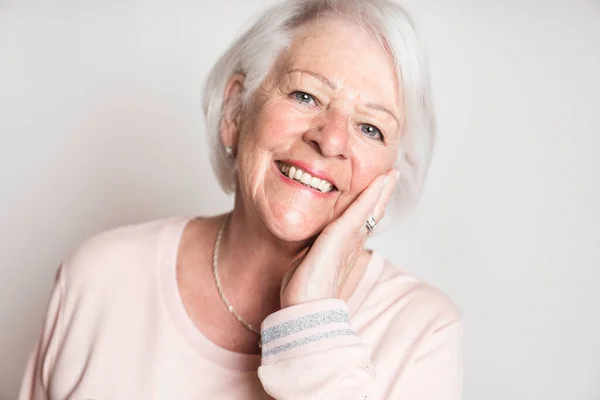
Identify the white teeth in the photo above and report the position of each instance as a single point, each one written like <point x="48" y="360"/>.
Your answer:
<point x="315" y="182"/>
<point x="323" y="186"/>
<point x="297" y="174"/>
<point x="305" y="178"/>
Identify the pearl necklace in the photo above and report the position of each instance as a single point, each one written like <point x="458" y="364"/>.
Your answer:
<point x="218" y="280"/>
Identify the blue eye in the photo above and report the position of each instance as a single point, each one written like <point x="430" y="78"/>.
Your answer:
<point x="372" y="131"/>
<point x="304" y="97"/>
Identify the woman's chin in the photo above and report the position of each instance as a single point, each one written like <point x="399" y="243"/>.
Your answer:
<point x="293" y="226"/>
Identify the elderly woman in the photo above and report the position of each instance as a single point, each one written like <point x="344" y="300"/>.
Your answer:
<point x="317" y="115"/>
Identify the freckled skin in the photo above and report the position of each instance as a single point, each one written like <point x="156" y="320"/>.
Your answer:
<point x="326" y="133"/>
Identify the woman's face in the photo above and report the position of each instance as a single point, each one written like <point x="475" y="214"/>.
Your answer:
<point x="329" y="110"/>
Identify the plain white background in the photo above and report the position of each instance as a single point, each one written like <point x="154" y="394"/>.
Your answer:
<point x="101" y="126"/>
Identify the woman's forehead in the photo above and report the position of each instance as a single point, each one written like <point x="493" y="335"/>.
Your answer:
<point x="321" y="42"/>
<point x="345" y="56"/>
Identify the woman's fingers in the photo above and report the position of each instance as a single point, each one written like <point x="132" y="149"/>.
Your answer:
<point x="371" y="201"/>
<point x="379" y="209"/>
<point x="377" y="212"/>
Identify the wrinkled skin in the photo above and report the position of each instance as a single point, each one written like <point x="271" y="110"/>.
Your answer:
<point x="331" y="103"/>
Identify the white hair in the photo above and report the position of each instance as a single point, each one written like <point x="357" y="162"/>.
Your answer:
<point x="256" y="50"/>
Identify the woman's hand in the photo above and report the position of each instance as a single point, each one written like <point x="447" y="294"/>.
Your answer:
<point x="324" y="270"/>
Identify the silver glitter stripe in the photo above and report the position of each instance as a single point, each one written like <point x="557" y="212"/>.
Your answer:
<point x="308" y="339"/>
<point x="303" y="323"/>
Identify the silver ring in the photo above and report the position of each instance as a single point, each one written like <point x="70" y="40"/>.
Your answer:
<point x="370" y="223"/>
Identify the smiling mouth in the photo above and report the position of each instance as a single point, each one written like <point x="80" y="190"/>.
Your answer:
<point x="303" y="177"/>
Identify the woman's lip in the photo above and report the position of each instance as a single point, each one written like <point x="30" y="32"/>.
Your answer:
<point x="301" y="186"/>
<point x="312" y="170"/>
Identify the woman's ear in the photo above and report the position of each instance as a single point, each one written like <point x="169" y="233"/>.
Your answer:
<point x="232" y="100"/>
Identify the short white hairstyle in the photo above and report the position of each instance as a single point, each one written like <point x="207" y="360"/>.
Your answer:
<point x="255" y="52"/>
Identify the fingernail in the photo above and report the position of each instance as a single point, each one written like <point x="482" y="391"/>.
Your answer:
<point x="386" y="180"/>
<point x="397" y="174"/>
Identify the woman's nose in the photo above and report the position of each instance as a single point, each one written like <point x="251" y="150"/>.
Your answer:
<point x="330" y="135"/>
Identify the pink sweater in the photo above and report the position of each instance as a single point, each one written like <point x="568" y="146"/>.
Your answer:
<point x="116" y="329"/>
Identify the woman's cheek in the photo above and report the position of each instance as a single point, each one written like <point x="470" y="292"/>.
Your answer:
<point x="281" y="123"/>
<point x="364" y="171"/>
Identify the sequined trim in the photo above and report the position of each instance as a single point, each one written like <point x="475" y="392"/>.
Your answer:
<point x="306" y="340"/>
<point x="303" y="323"/>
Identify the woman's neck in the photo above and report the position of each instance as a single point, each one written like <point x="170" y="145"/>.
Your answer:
<point x="253" y="262"/>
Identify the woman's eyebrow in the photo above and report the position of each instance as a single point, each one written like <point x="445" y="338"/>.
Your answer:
<point x="320" y="77"/>
<point x="333" y="86"/>
<point x="379" y="107"/>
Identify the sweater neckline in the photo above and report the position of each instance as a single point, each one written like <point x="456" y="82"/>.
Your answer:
<point x="206" y="349"/>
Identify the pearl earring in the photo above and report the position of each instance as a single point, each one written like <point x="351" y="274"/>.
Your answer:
<point x="229" y="152"/>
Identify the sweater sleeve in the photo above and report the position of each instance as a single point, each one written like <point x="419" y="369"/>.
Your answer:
<point x="41" y="361"/>
<point x="310" y="351"/>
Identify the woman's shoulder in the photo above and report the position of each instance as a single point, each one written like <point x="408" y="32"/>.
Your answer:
<point x="120" y="252"/>
<point x="407" y="321"/>
<point x="408" y="297"/>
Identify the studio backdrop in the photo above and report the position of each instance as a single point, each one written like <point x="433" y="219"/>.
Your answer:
<point x="101" y="126"/>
